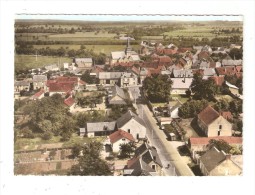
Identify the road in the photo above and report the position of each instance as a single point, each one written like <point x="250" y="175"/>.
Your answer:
<point x="167" y="153"/>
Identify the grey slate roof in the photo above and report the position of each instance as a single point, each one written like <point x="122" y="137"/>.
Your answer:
<point x="110" y="75"/>
<point x="83" y="60"/>
<point x="209" y="72"/>
<point x="212" y="158"/>
<point x="128" y="75"/>
<point x="182" y="73"/>
<point x="127" y="117"/>
<point x="116" y="90"/>
<point x="232" y="62"/>
<point x="39" y="78"/>
<point x="101" y="126"/>
<point x="144" y="155"/>
<point x="21" y="83"/>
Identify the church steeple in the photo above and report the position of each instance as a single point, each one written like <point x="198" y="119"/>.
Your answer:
<point x="128" y="47"/>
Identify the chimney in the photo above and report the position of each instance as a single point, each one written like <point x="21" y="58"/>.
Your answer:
<point x="228" y="156"/>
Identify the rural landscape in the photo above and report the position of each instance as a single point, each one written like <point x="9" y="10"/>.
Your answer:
<point x="128" y="98"/>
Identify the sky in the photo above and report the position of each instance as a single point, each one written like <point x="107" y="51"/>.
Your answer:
<point x="133" y="17"/>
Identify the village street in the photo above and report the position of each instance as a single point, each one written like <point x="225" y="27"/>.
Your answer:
<point x="168" y="154"/>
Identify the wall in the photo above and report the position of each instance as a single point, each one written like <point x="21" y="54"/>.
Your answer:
<point x="135" y="128"/>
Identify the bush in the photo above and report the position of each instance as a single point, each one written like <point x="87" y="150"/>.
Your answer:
<point x="47" y="136"/>
<point x="26" y="133"/>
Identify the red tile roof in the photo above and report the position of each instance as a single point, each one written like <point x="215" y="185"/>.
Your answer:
<point x="239" y="68"/>
<point x="205" y="140"/>
<point x="183" y="50"/>
<point x="169" y="51"/>
<point x="203" y="54"/>
<point x="61" y="87"/>
<point x="38" y="94"/>
<point x="132" y="161"/>
<point x="208" y="115"/>
<point x="219" y="80"/>
<point x="67" y="79"/>
<point x="164" y="59"/>
<point x="199" y="71"/>
<point x="81" y="82"/>
<point x="135" y="70"/>
<point x="117" y="135"/>
<point x="69" y="101"/>
<point x="212" y="65"/>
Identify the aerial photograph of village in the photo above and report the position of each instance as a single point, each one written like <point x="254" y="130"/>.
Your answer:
<point x="128" y="96"/>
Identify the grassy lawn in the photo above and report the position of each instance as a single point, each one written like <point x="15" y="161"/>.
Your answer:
<point x="182" y="98"/>
<point x="159" y="104"/>
<point x="28" y="61"/>
<point x="32" y="144"/>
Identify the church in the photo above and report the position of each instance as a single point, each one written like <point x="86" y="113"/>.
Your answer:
<point x="126" y="56"/>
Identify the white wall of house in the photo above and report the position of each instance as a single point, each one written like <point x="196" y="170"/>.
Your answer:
<point x="116" y="145"/>
<point x="220" y="123"/>
<point x="134" y="128"/>
<point x="52" y="93"/>
<point x="132" y="81"/>
<point x="91" y="134"/>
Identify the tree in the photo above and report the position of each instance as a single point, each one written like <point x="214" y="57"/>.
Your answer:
<point x="88" y="79"/>
<point x="76" y="150"/>
<point x="191" y="108"/>
<point x="236" y="53"/>
<point x="157" y="87"/>
<point x="126" y="150"/>
<point x="220" y="145"/>
<point x="203" y="89"/>
<point x="90" y="163"/>
<point x="47" y="135"/>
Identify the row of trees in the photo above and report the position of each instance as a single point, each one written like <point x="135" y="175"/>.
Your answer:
<point x="82" y="52"/>
<point x="157" y="87"/>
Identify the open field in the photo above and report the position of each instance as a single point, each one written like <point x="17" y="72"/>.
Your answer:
<point x="38" y="143"/>
<point x="201" y="32"/>
<point x="107" y="49"/>
<point x="23" y="62"/>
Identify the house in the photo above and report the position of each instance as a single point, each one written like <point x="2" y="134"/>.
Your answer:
<point x="109" y="78"/>
<point x="60" y="88"/>
<point x="39" y="95"/>
<point x="39" y="81"/>
<point x="218" y="163"/>
<point x="219" y="80"/>
<point x="180" y="85"/>
<point x="128" y="79"/>
<point x="213" y="124"/>
<point x="52" y="67"/>
<point x="83" y="63"/>
<point x="132" y="124"/>
<point x="118" y="138"/>
<point x="231" y="62"/>
<point x="234" y="89"/>
<point x="146" y="162"/>
<point x="21" y="85"/>
<point x="70" y="102"/>
<point x="98" y="129"/>
<point x="116" y="95"/>
<point x="197" y="144"/>
<point x="173" y="110"/>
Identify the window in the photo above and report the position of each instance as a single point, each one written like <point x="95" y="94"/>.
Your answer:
<point x="219" y="133"/>
<point x="123" y="139"/>
<point x="220" y="127"/>
<point x="153" y="167"/>
<point x="128" y="130"/>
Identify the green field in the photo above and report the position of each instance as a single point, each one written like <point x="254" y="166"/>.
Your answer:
<point x="200" y="32"/>
<point x="23" y="62"/>
<point x="107" y="49"/>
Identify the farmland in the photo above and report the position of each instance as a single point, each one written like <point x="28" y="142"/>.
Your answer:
<point x="23" y="62"/>
<point x="107" y="49"/>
